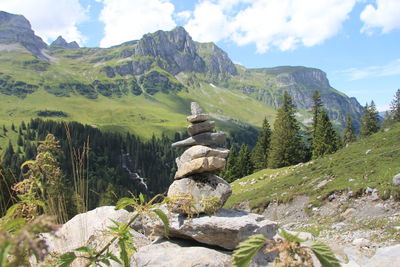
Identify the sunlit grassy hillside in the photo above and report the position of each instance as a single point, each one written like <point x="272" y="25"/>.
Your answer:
<point x="371" y="162"/>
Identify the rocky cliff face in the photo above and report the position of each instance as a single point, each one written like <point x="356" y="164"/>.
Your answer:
<point x="300" y="83"/>
<point x="173" y="51"/>
<point x="60" y="42"/>
<point x="17" y="29"/>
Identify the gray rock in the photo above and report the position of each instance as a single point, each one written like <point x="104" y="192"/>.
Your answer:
<point x="200" y="165"/>
<point x="197" y="118"/>
<point x="90" y="228"/>
<point x="199" y="187"/>
<point x="17" y="29"/>
<point x="361" y="242"/>
<point x="205" y="139"/>
<point x="195" y="108"/>
<point x="179" y="253"/>
<point x="396" y="179"/>
<point x="224" y="229"/>
<point x="60" y="42"/>
<point x="201" y="127"/>
<point x="199" y="151"/>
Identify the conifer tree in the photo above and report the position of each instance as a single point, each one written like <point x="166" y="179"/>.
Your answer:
<point x="325" y="138"/>
<point x="349" y="135"/>
<point x="395" y="107"/>
<point x="316" y="110"/>
<point x="20" y="141"/>
<point x="369" y="120"/>
<point x="286" y="143"/>
<point x="231" y="171"/>
<point x="244" y="163"/>
<point x="260" y="151"/>
<point x="8" y="155"/>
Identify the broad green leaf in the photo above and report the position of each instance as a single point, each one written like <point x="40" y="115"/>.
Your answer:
<point x="324" y="255"/>
<point x="163" y="217"/>
<point x="124" y="202"/>
<point x="123" y="253"/>
<point x="106" y="262"/>
<point x="247" y="249"/>
<point x="66" y="259"/>
<point x="290" y="237"/>
<point x="12" y="225"/>
<point x="11" y="210"/>
<point x="141" y="198"/>
<point x="83" y="249"/>
<point x="113" y="257"/>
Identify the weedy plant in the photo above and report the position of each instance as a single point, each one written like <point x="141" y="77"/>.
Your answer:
<point x="121" y="235"/>
<point x="289" y="251"/>
<point x="18" y="241"/>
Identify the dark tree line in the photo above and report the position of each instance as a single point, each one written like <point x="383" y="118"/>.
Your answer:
<point x="108" y="174"/>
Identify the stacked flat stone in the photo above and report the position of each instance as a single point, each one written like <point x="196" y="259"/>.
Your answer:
<point x="196" y="166"/>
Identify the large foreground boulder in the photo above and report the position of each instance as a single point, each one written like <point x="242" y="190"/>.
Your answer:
<point x="198" y="188"/>
<point x="91" y="228"/>
<point x="179" y="253"/>
<point x="225" y="229"/>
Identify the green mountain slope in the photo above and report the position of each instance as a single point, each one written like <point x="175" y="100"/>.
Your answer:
<point x="371" y="162"/>
<point x="145" y="86"/>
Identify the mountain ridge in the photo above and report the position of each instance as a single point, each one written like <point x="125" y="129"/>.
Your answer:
<point x="165" y="65"/>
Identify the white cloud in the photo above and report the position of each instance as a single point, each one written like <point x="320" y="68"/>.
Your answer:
<point x="183" y="15"/>
<point x="269" y="23"/>
<point x="48" y="18"/>
<point x="129" y="19"/>
<point x="209" y="23"/>
<point x="390" y="69"/>
<point x="386" y="15"/>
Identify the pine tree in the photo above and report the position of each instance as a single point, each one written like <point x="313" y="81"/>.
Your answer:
<point x="231" y="171"/>
<point x="13" y="127"/>
<point x="260" y="151"/>
<point x="395" y="107"/>
<point x="4" y="130"/>
<point x="316" y="110"/>
<point x="286" y="142"/>
<point x="244" y="163"/>
<point x="369" y="120"/>
<point x="349" y="135"/>
<point x="325" y="138"/>
<point x="20" y="141"/>
<point x="8" y="155"/>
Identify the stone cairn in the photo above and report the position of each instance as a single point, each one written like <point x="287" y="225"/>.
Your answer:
<point x="195" y="178"/>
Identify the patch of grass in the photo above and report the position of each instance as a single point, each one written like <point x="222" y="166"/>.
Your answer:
<point x="349" y="169"/>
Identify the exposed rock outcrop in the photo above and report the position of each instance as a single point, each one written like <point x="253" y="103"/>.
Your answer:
<point x="224" y="229"/>
<point x="61" y="42"/>
<point x="180" y="253"/>
<point x="17" y="29"/>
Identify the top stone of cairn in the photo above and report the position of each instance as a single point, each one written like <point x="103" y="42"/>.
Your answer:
<point x="195" y="108"/>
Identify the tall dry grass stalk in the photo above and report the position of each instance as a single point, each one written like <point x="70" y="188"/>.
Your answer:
<point x="80" y="172"/>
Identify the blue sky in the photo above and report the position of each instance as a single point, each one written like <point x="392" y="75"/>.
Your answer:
<point x="356" y="42"/>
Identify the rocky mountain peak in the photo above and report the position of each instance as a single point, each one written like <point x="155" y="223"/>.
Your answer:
<point x="17" y="29"/>
<point x="174" y="50"/>
<point x="61" y="42"/>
